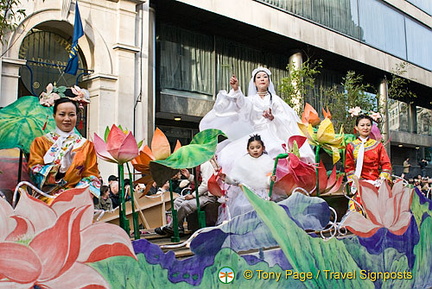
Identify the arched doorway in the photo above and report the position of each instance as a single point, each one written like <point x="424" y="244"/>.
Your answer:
<point x="46" y="53"/>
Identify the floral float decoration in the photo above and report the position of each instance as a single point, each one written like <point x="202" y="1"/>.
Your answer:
<point x="119" y="147"/>
<point x="385" y="207"/>
<point x="158" y="165"/>
<point x="81" y="95"/>
<point x="324" y="137"/>
<point x="159" y="150"/>
<point x="52" y="246"/>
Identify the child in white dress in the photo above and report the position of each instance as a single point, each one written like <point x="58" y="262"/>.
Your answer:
<point x="253" y="170"/>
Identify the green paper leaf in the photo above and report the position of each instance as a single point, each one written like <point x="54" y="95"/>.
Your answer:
<point x="24" y="120"/>
<point x="418" y="210"/>
<point x="307" y="254"/>
<point x="422" y="273"/>
<point x="201" y="149"/>
<point x="107" y="131"/>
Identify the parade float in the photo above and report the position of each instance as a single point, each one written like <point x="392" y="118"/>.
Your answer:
<point x="300" y="241"/>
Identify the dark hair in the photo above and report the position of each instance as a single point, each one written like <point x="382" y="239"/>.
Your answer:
<point x="255" y="137"/>
<point x="363" y="116"/>
<point x="112" y="178"/>
<point x="64" y="100"/>
<point x="103" y="189"/>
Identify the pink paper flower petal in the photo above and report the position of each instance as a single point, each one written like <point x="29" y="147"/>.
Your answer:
<point x="23" y="228"/>
<point x="360" y="226"/>
<point x="127" y="150"/>
<point x="19" y="263"/>
<point x="101" y="234"/>
<point x="371" y="204"/>
<point x="53" y="257"/>
<point x="78" y="197"/>
<point x="101" y="149"/>
<point x="402" y="224"/>
<point x="78" y="276"/>
<point x="40" y="214"/>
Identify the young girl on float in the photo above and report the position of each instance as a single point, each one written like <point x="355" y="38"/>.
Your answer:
<point x="253" y="170"/>
<point x="366" y="158"/>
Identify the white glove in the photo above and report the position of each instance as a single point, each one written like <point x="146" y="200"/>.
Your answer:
<point x="66" y="161"/>
<point x="378" y="182"/>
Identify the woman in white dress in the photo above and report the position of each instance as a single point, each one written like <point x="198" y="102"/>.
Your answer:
<point x="261" y="112"/>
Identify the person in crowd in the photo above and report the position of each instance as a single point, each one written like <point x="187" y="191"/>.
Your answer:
<point x="423" y="164"/>
<point x="366" y="158"/>
<point x="164" y="188"/>
<point x="153" y="190"/>
<point x="105" y="202"/>
<point x="254" y="170"/>
<point x="261" y="112"/>
<point x="406" y="169"/>
<point x="114" y="194"/>
<point x="187" y="204"/>
<point x="111" y="179"/>
<point x="63" y="159"/>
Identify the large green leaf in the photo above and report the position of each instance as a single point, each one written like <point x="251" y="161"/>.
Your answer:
<point x="201" y="149"/>
<point x="307" y="254"/>
<point x="24" y="120"/>
<point x="422" y="273"/>
<point x="127" y="273"/>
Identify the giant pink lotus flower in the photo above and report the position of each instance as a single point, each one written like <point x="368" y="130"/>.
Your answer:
<point x="50" y="246"/>
<point x="385" y="207"/>
<point x="292" y="173"/>
<point x="119" y="147"/>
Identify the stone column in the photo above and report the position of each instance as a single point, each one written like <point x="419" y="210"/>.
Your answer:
<point x="9" y="79"/>
<point x="412" y="118"/>
<point x="296" y="62"/>
<point x="383" y="106"/>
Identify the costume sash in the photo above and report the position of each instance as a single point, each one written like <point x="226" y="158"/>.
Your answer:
<point x="62" y="143"/>
<point x="360" y="158"/>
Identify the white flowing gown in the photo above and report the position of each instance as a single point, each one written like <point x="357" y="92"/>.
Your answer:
<point x="240" y="117"/>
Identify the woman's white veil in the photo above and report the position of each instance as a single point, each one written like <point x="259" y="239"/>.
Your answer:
<point x="252" y="90"/>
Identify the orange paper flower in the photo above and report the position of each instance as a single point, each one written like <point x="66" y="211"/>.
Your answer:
<point x="160" y="150"/>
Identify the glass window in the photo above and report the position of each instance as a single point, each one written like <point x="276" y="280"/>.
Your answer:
<point x="371" y="21"/>
<point x="398" y="116"/>
<point x="419" y="43"/>
<point x="341" y="15"/>
<point x="235" y="58"/>
<point x="382" y="27"/>
<point x="186" y="59"/>
<point x="189" y="63"/>
<point x="424" y="121"/>
<point x="425" y="5"/>
<point x="47" y="55"/>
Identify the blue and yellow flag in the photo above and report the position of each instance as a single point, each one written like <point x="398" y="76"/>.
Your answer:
<point x="72" y="66"/>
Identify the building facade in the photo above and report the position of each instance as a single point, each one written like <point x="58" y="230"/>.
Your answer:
<point x="162" y="62"/>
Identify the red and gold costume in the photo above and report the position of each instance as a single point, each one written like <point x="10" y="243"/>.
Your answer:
<point x="376" y="163"/>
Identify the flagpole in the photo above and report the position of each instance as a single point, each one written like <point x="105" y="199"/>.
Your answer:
<point x="72" y="66"/>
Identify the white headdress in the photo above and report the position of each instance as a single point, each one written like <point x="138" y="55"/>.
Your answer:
<point x="252" y="90"/>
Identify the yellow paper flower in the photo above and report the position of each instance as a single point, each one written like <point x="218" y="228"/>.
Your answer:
<point x="324" y="137"/>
